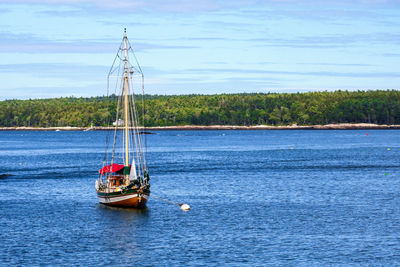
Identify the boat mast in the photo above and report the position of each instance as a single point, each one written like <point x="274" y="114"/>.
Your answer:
<point x="126" y="101"/>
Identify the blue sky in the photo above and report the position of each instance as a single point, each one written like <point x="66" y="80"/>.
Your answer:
<point x="65" y="47"/>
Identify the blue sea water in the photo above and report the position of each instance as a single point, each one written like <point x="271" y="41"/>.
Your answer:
<point x="298" y="197"/>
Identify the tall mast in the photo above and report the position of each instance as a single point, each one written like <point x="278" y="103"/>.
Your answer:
<point x="126" y="122"/>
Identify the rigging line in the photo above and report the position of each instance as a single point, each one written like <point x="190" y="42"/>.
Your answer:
<point x="139" y="141"/>
<point x="144" y="124"/>
<point x="183" y="206"/>
<point x="134" y="128"/>
<point x="115" y="58"/>
<point x="145" y="140"/>
<point x="163" y="199"/>
<point x="129" y="119"/>
<point x="116" y="127"/>
<point x="117" y="106"/>
<point x="133" y="132"/>
<point x="134" y="152"/>
<point x="134" y="55"/>
<point x="126" y="102"/>
<point x="107" y="133"/>
<point x="137" y="70"/>
<point x="117" y="80"/>
<point x="134" y="68"/>
<point x="133" y="166"/>
<point x="141" y="72"/>
<point x="138" y="137"/>
<point x="124" y="140"/>
<point x="112" y="69"/>
<point x="139" y="152"/>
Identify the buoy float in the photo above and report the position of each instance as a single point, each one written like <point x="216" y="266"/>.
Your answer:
<point x="184" y="206"/>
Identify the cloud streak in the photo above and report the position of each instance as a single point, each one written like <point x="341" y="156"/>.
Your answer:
<point x="330" y="40"/>
<point x="140" y="5"/>
<point x="196" y="6"/>
<point x="53" y="69"/>
<point x="300" y="73"/>
<point x="27" y="43"/>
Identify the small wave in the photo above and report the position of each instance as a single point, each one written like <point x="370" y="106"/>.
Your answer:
<point x="5" y="175"/>
<point x="50" y="175"/>
<point x="63" y="175"/>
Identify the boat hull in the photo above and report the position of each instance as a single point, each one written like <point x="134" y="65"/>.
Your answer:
<point x="124" y="199"/>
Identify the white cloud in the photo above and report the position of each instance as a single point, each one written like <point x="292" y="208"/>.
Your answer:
<point x="195" y="6"/>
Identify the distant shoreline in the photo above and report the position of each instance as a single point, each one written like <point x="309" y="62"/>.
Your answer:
<point x="340" y="126"/>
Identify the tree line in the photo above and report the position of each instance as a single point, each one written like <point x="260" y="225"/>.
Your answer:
<point x="380" y="107"/>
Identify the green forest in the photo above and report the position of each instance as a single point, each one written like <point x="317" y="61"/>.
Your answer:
<point x="380" y="107"/>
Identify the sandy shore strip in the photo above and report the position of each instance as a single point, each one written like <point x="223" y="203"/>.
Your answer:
<point x="340" y="126"/>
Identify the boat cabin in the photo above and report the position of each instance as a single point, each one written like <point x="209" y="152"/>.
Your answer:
<point x="115" y="173"/>
<point x="116" y="180"/>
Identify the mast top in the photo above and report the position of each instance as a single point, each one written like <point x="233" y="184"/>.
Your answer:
<point x="124" y="32"/>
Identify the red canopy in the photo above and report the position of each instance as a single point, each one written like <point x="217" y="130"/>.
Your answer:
<point x="111" y="168"/>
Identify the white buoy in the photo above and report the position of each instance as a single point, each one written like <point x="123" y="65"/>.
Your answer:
<point x="184" y="207"/>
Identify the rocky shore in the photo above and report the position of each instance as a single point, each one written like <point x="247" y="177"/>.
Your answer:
<point x="340" y="126"/>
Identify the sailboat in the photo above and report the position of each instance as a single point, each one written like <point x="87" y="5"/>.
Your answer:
<point x="124" y="178"/>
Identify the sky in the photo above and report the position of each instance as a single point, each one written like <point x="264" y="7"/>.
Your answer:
<point x="60" y="48"/>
